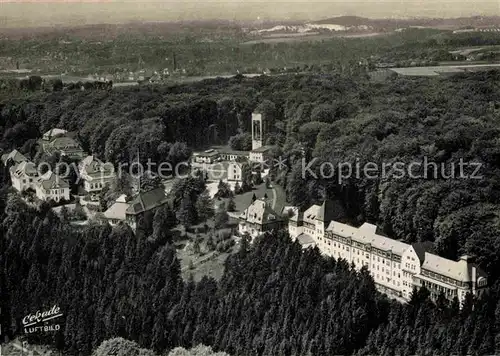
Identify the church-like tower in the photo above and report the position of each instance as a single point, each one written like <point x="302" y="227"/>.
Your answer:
<point x="257" y="131"/>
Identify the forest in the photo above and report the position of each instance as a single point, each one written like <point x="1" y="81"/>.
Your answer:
<point x="273" y="299"/>
<point x="336" y="118"/>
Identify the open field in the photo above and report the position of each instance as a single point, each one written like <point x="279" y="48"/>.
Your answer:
<point x="297" y="37"/>
<point x="210" y="264"/>
<point x="438" y="70"/>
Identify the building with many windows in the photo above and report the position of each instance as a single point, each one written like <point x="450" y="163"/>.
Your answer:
<point x="396" y="267"/>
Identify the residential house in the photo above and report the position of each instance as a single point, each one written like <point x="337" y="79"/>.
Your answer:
<point x="50" y="186"/>
<point x="396" y="267"/>
<point x="117" y="212"/>
<point x="23" y="176"/>
<point x="15" y="157"/>
<point x="130" y="212"/>
<point x="65" y="145"/>
<point x="95" y="174"/>
<point x="145" y="202"/>
<point x="259" y="218"/>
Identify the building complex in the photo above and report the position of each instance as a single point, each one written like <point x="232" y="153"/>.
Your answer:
<point x="48" y="185"/>
<point x="396" y="267"/>
<point x="228" y="161"/>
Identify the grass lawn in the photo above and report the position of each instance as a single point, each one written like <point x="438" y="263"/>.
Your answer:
<point x="210" y="264"/>
<point x="207" y="262"/>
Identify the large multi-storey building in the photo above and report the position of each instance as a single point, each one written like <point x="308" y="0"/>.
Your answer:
<point x="396" y="267"/>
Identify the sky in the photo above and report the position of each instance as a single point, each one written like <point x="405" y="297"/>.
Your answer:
<point x="29" y="13"/>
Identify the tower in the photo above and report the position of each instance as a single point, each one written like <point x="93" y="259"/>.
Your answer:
<point x="257" y="134"/>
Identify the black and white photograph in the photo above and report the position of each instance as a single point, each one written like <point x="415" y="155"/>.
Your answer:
<point x="249" y="177"/>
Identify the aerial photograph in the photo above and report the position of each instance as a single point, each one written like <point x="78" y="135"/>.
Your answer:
<point x="249" y="177"/>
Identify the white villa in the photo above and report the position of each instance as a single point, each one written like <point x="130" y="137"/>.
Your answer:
<point x="95" y="174"/>
<point x="23" y="176"/>
<point x="396" y="267"/>
<point x="51" y="187"/>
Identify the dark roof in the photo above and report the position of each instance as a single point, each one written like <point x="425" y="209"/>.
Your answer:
<point x="259" y="212"/>
<point x="15" y="156"/>
<point x="145" y="201"/>
<point x="229" y="150"/>
<point x="262" y="149"/>
<point x="92" y="165"/>
<point x="421" y="248"/>
<point x="207" y="154"/>
<point x="330" y="210"/>
<point x="50" y="180"/>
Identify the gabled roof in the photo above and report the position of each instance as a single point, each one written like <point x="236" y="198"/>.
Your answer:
<point x="366" y="234"/>
<point x="460" y="270"/>
<point x="311" y="213"/>
<point x="64" y="142"/>
<point x="25" y="168"/>
<point x="259" y="212"/>
<point x="421" y="248"/>
<point x="145" y="201"/>
<point x="92" y="165"/>
<point x="15" y="156"/>
<point x="50" y="180"/>
<point x="117" y="211"/>
<point x="329" y="211"/>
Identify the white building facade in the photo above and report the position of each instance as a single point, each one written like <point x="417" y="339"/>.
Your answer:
<point x="51" y="187"/>
<point x="23" y="176"/>
<point x="95" y="174"/>
<point x="396" y="267"/>
<point x="234" y="172"/>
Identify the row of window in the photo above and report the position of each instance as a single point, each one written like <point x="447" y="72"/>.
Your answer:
<point x="410" y="266"/>
<point x="96" y="185"/>
<point x="373" y="251"/>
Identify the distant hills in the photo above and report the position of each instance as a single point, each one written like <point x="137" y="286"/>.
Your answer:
<point x="357" y="24"/>
<point x="474" y="21"/>
<point x="256" y="27"/>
